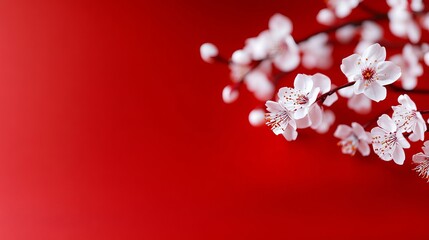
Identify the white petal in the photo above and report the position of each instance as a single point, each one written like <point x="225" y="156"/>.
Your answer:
<point x="388" y="72"/>
<point x="360" y="103"/>
<point x="363" y="148"/>
<point x="280" y="24"/>
<point x="398" y="155"/>
<point x="208" y="51"/>
<point x="321" y="81"/>
<point x="331" y="99"/>
<point x="342" y="131"/>
<point x="290" y="133"/>
<point x="316" y="115"/>
<point x="419" y="158"/>
<point x="386" y="123"/>
<point x="350" y="66"/>
<point x="257" y="117"/>
<point x="375" y="92"/>
<point x="241" y="57"/>
<point x="325" y="16"/>
<point x="229" y="94"/>
<point x="303" y="82"/>
<point x="374" y="53"/>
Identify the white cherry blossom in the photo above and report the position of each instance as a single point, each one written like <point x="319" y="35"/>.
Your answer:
<point x="357" y="102"/>
<point x="422" y="161"/>
<point x="342" y="8"/>
<point x="401" y="22"/>
<point x="370" y="34"/>
<point x="328" y="118"/>
<point x="257" y="117"/>
<point x="353" y="139"/>
<point x="280" y="120"/>
<point x="408" y="119"/>
<point x="325" y="16"/>
<point x="371" y="72"/>
<point x="409" y="63"/>
<point x="317" y="53"/>
<point x="299" y="100"/>
<point x="276" y="43"/>
<point x="208" y="51"/>
<point x="229" y="94"/>
<point x="388" y="142"/>
<point x="346" y="33"/>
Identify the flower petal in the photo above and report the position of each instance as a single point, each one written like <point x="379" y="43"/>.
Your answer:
<point x="375" y="92"/>
<point x="374" y="53"/>
<point x="387" y="73"/>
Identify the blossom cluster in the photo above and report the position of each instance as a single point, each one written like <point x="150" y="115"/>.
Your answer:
<point x="369" y="75"/>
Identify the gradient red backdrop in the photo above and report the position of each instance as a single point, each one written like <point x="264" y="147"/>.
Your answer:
<point x="113" y="128"/>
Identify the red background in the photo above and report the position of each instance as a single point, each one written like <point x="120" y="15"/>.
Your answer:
<point x="113" y="128"/>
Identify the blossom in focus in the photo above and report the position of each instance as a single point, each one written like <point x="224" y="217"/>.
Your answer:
<point x="353" y="138"/>
<point x="409" y="63"/>
<point x="280" y="120"/>
<point x="317" y="53"/>
<point x="371" y="72"/>
<point x="388" y="142"/>
<point x="422" y="161"/>
<point x="298" y="100"/>
<point x="208" y="51"/>
<point x="408" y="119"/>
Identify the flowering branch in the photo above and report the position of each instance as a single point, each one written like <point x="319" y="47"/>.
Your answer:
<point x="369" y="76"/>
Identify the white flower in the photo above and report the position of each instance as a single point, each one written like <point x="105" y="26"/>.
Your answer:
<point x="316" y="52"/>
<point x="328" y="118"/>
<point x="208" y="51"/>
<point x="241" y="57"/>
<point x="258" y="83"/>
<point x="353" y="138"/>
<point x="342" y="8"/>
<point x="422" y="161"/>
<point x="371" y="72"/>
<point x="389" y="143"/>
<point x="275" y="43"/>
<point x="229" y="94"/>
<point x="346" y="33"/>
<point x="370" y="34"/>
<point x="300" y="99"/>
<point x="408" y="119"/>
<point x="280" y="120"/>
<point x="401" y="22"/>
<point x="357" y="102"/>
<point x="410" y="66"/>
<point x="325" y="16"/>
<point x="257" y="117"/>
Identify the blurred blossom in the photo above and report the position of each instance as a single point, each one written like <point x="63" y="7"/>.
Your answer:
<point x="257" y="117"/>
<point x="409" y="63"/>
<point x="208" y="51"/>
<point x="317" y="53"/>
<point x="229" y="94"/>
<point x="328" y="119"/>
